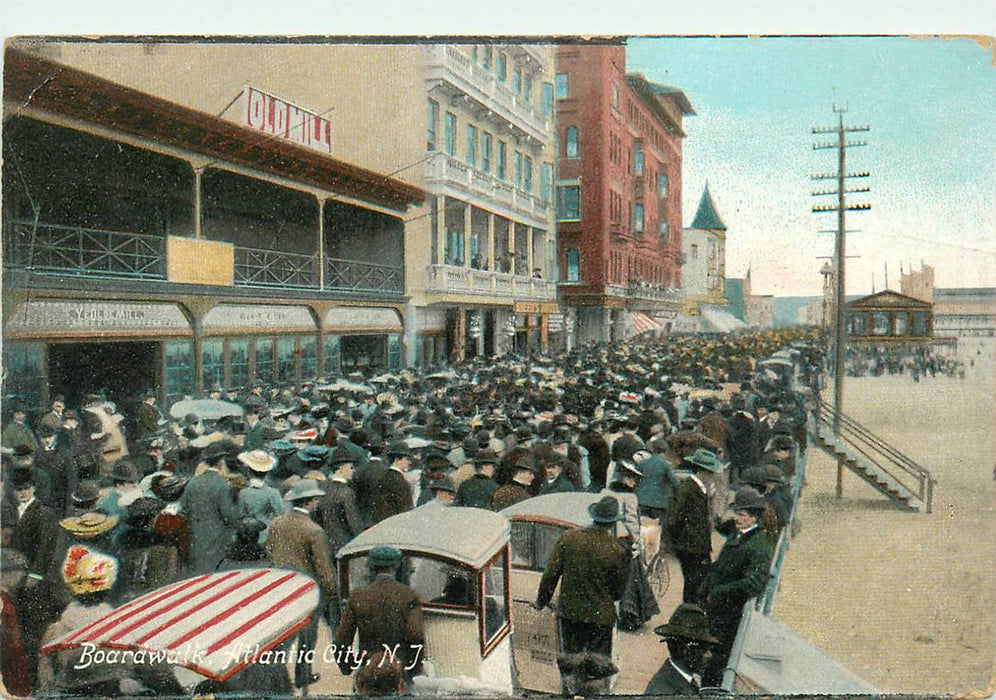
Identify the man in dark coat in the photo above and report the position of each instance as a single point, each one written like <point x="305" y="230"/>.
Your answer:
<point x="476" y="491"/>
<point x="518" y="489"/>
<point x="385" y="613"/>
<point x="57" y="461"/>
<point x="18" y="433"/>
<point x="655" y="490"/>
<point x="556" y="480"/>
<point x="337" y="512"/>
<point x="739" y="574"/>
<point x="149" y="416"/>
<point x="598" y="456"/>
<point x="296" y="542"/>
<point x="591" y="567"/>
<point x="689" y="645"/>
<point x="741" y="448"/>
<point x="211" y="511"/>
<point x="34" y="536"/>
<point x="689" y="523"/>
<point x="392" y="493"/>
<point x="54" y="418"/>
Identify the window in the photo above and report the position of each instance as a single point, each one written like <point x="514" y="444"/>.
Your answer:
<point x="500" y="165"/>
<point x="486" y="151"/>
<point x="501" y="67"/>
<point x="309" y="356"/>
<point x="573" y="265"/>
<point x="533" y="543"/>
<point x="662" y="185"/>
<point x="665" y="232"/>
<point x="179" y="366"/>
<point x="638" y="158"/>
<point x="880" y="323"/>
<point x="496" y="588"/>
<point x="454" y="246"/>
<point x="569" y="202"/>
<point x="238" y="363"/>
<point x="394" y="351"/>
<point x="518" y="169"/>
<point x="562" y="81"/>
<point x="433" y="131"/>
<point x="638" y="218"/>
<point x="695" y="251"/>
<point x="527" y="87"/>
<point x="615" y="95"/>
<point x="472" y="145"/>
<point x="572" y="148"/>
<point x="546" y="181"/>
<point x="213" y="362"/>
<point x="286" y="360"/>
<point x="264" y="360"/>
<point x="333" y="356"/>
<point x="449" y="133"/>
<point x="527" y="174"/>
<point x="486" y="56"/>
<point x="24" y="365"/>
<point x="517" y="81"/>
<point x="547" y="100"/>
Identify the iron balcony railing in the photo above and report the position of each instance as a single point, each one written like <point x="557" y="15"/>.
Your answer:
<point x="255" y="267"/>
<point x="356" y="276"/>
<point x="73" y="250"/>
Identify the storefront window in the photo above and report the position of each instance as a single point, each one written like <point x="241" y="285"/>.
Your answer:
<point x="286" y="360"/>
<point x="309" y="357"/>
<point x="921" y="325"/>
<point x="394" y="351"/>
<point x="333" y="363"/>
<point x="362" y="351"/>
<point x="238" y="365"/>
<point x="264" y="360"/>
<point x="902" y="324"/>
<point x="25" y="380"/>
<point x="859" y="324"/>
<point x="213" y="362"/>
<point x="179" y="366"/>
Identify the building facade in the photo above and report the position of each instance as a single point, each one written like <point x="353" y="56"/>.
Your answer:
<point x="889" y="317"/>
<point x="483" y="282"/>
<point x="918" y="284"/>
<point x="965" y="311"/>
<point x="149" y="242"/>
<point x="619" y="140"/>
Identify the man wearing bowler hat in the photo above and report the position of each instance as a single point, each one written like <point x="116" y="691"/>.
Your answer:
<point x="392" y="494"/>
<point x="296" y="542"/>
<point x="591" y="567"/>
<point x="689" y="525"/>
<point x="689" y="646"/>
<point x="211" y="511"/>
<point x="739" y="574"/>
<point x="476" y="491"/>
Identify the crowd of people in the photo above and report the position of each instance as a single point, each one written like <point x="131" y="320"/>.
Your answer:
<point x="685" y="434"/>
<point x="917" y="361"/>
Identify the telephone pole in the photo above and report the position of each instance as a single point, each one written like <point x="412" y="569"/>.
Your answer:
<point x="841" y="207"/>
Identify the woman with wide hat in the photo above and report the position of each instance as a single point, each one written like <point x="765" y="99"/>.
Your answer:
<point x="259" y="500"/>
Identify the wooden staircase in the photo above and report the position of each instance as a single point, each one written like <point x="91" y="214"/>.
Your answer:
<point x="879" y="464"/>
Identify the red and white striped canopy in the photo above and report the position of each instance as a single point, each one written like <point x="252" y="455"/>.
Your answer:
<point x="641" y="323"/>
<point x="213" y="624"/>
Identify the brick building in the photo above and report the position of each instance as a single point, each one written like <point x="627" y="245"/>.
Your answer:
<point x="618" y="195"/>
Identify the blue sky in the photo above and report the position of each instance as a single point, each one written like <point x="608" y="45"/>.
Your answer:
<point x="931" y="106"/>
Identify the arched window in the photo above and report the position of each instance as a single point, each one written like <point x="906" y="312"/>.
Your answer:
<point x="573" y="147"/>
<point x="573" y="265"/>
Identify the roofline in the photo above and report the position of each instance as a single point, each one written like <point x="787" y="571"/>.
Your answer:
<point x="679" y="96"/>
<point x="47" y="86"/>
<point x="641" y="87"/>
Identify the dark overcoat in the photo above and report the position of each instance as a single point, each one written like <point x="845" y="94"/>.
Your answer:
<point x="385" y="612"/>
<point x="338" y="515"/>
<point x="212" y="515"/>
<point x="688" y="525"/>
<point x="476" y="492"/>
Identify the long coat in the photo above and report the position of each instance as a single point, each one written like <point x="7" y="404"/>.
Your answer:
<point x="593" y="568"/>
<point x="658" y="484"/>
<point x="688" y="523"/>
<point x="296" y="542"/>
<point x="262" y="502"/>
<point x="738" y="574"/>
<point x="476" y="492"/>
<point x="338" y="515"/>
<point x="392" y="495"/>
<point x="212" y="514"/>
<point x="385" y="612"/>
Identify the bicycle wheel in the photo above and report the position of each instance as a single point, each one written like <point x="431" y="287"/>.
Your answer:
<point x="658" y="575"/>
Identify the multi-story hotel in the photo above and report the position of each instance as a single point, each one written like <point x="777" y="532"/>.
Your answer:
<point x="487" y="282"/>
<point x="618" y="194"/>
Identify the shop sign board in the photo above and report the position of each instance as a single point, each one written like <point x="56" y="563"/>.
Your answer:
<point x="277" y="117"/>
<point x="50" y="317"/>
<point x="259" y="317"/>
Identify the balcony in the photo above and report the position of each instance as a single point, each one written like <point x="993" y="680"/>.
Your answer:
<point x="449" y="64"/>
<point x="642" y="291"/>
<point x="71" y="250"/>
<point x="488" y="283"/>
<point x="51" y="249"/>
<point x="500" y="195"/>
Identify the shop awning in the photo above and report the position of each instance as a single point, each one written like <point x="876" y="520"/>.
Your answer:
<point x="641" y="323"/>
<point x="716" y="320"/>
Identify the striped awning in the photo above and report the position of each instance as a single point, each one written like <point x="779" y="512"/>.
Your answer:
<point x="641" y="323"/>
<point x="214" y="624"/>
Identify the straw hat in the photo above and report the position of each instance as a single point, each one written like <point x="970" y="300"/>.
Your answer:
<point x="258" y="460"/>
<point x="85" y="571"/>
<point x="89" y="525"/>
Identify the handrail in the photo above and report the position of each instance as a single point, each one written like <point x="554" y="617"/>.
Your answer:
<point x="854" y="434"/>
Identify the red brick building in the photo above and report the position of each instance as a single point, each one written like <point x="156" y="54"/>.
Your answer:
<point x="618" y="194"/>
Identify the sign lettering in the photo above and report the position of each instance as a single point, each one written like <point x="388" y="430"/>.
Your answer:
<point x="275" y="116"/>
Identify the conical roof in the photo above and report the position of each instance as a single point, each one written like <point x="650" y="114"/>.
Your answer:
<point x="707" y="218"/>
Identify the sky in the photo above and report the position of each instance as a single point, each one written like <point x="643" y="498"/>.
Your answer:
<point x="930" y="103"/>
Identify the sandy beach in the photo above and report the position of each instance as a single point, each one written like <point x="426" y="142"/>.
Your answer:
<point x="906" y="600"/>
